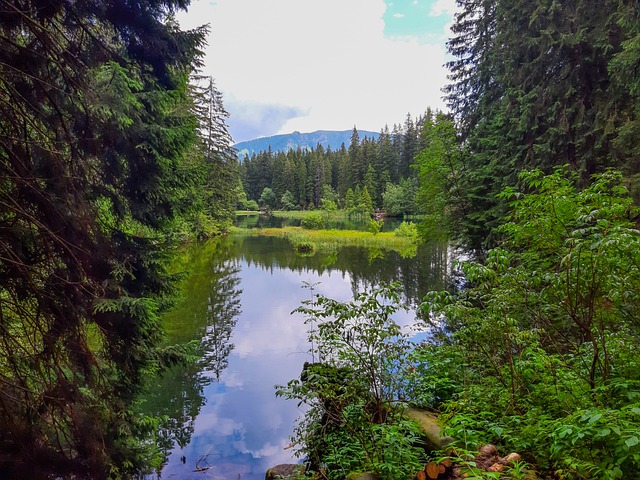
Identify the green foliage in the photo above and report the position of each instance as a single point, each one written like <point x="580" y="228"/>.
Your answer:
<point x="349" y="201"/>
<point x="439" y="166"/>
<point x="218" y="162"/>
<point x="433" y="378"/>
<point x="305" y="248"/>
<point x="328" y="205"/>
<point x="407" y="230"/>
<point x="97" y="130"/>
<point x="549" y="331"/>
<point x="314" y="221"/>
<point x="374" y="226"/>
<point x="352" y="422"/>
<point x="398" y="200"/>
<point x="288" y="201"/>
<point x="241" y="196"/>
<point x="329" y="195"/>
<point x="267" y="199"/>
<point x="538" y="86"/>
<point x="364" y="204"/>
<point x="251" y="205"/>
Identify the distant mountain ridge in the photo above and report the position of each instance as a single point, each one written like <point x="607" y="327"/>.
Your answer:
<point x="291" y="141"/>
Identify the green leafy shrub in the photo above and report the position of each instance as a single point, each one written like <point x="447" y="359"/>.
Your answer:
<point x="549" y="332"/>
<point x="406" y="229"/>
<point x="250" y="205"/>
<point x="352" y="422"/>
<point x="305" y="248"/>
<point x="374" y="226"/>
<point x="314" y="221"/>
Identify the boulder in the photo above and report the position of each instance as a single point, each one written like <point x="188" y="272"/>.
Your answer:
<point x="286" y="471"/>
<point x="430" y="428"/>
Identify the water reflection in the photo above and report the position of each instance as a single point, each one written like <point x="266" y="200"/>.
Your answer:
<point x="238" y="299"/>
<point x="365" y="267"/>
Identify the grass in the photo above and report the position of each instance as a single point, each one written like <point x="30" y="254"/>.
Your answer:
<point x="326" y="240"/>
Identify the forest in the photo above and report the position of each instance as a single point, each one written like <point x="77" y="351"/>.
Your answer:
<point x="114" y="150"/>
<point x="308" y="179"/>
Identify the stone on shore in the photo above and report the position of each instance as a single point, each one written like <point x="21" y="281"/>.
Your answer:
<point x="286" y="471"/>
<point x="430" y="428"/>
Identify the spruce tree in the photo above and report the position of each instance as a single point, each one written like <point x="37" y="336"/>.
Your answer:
<point x="95" y="125"/>
<point x="409" y="147"/>
<point x="534" y="85"/>
<point x="220" y="163"/>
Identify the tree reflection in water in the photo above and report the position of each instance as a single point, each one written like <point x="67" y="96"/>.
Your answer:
<point x="241" y="422"/>
<point x="223" y="309"/>
<point x="206" y="321"/>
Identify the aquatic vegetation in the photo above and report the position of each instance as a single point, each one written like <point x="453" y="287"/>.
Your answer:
<point x="327" y="240"/>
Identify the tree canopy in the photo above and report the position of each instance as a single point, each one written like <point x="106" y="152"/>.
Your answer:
<point x="96" y="123"/>
<point x="537" y="85"/>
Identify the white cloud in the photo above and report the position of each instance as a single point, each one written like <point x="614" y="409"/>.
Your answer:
<point x="398" y="15"/>
<point x="444" y="7"/>
<point x="329" y="58"/>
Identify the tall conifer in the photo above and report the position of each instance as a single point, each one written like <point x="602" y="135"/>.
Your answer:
<point x="95" y="125"/>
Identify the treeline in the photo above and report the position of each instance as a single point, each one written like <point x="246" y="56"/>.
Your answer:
<point x="302" y="179"/>
<point x="111" y="151"/>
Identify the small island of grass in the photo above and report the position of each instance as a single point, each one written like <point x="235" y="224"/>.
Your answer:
<point x="326" y="240"/>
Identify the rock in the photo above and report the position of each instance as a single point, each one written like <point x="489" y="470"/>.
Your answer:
<point x="488" y="450"/>
<point x="429" y="427"/>
<point x="496" y="467"/>
<point x="511" y="459"/>
<point x="286" y="471"/>
<point x="487" y="456"/>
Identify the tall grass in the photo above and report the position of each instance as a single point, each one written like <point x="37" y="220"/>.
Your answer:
<point x="327" y="240"/>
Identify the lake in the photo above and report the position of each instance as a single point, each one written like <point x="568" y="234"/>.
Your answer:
<point x="238" y="296"/>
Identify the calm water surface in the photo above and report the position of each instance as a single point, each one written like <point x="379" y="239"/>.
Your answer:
<point x="238" y="297"/>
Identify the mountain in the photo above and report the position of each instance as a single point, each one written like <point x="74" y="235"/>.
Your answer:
<point x="291" y="141"/>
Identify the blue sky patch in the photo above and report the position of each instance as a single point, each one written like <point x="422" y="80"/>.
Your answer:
<point x="414" y="19"/>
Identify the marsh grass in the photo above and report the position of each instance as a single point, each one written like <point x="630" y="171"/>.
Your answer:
<point x="328" y="240"/>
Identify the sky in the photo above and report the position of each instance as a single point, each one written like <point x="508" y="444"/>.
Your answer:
<point x="307" y="65"/>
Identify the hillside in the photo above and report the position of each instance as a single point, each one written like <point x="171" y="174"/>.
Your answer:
<point x="291" y="141"/>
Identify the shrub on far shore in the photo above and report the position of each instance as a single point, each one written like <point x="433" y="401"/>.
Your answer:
<point x="314" y="221"/>
<point x="406" y="229"/>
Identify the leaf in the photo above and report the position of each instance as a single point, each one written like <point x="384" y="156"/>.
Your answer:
<point x="595" y="418"/>
<point x="632" y="441"/>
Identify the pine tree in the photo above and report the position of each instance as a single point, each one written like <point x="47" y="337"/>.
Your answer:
<point x="388" y="160"/>
<point x="356" y="159"/>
